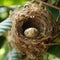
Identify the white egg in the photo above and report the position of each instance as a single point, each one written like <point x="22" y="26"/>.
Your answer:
<point x="31" y="32"/>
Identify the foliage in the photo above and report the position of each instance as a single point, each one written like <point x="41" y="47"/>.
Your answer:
<point x="14" y="55"/>
<point x="12" y="2"/>
<point x="7" y="24"/>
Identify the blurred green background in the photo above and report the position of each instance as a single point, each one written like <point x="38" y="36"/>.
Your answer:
<point x="12" y="2"/>
<point x="5" y="7"/>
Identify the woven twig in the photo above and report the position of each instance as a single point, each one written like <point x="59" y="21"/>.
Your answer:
<point x="33" y="16"/>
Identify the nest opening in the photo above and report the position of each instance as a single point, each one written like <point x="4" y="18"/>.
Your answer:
<point x="28" y="23"/>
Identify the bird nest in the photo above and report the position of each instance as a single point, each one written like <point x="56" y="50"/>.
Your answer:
<point x="35" y="16"/>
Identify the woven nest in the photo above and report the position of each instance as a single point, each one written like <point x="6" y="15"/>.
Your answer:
<point x="33" y="16"/>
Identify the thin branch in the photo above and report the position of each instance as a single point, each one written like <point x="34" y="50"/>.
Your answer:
<point x="51" y="44"/>
<point x="47" y="4"/>
<point x="49" y="37"/>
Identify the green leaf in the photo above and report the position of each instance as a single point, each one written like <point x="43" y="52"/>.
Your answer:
<point x="52" y="1"/>
<point x="14" y="55"/>
<point x="54" y="12"/>
<point x="55" y="50"/>
<point x="5" y="26"/>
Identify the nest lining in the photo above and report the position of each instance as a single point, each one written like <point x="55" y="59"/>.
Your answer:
<point x="30" y="22"/>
